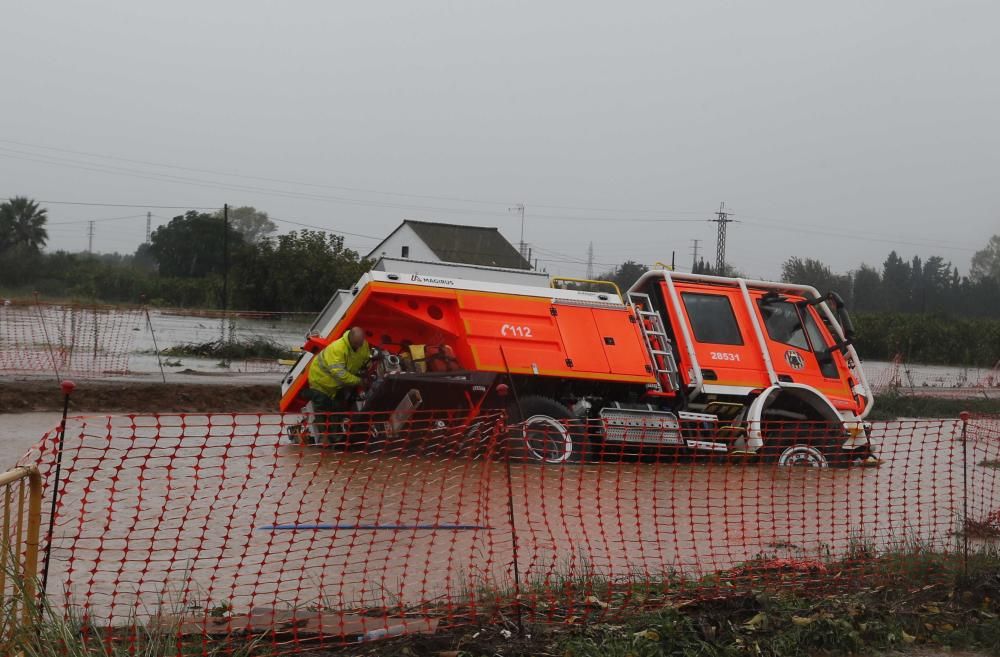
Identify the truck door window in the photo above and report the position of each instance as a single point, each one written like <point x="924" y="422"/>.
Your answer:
<point x="712" y="318"/>
<point x="781" y="319"/>
<point x="822" y="350"/>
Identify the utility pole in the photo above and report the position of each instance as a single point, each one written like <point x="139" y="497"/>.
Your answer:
<point x="225" y="257"/>
<point x="519" y="208"/>
<point x="722" y="218"/>
<point x="225" y="266"/>
<point x="90" y="236"/>
<point x="149" y="225"/>
<point x="590" y="261"/>
<point x="694" y="252"/>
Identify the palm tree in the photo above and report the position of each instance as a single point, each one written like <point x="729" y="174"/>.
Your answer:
<point x="22" y="224"/>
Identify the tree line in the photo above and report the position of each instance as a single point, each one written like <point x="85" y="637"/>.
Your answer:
<point x="185" y="263"/>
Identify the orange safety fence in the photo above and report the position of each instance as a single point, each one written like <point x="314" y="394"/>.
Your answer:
<point x="67" y="339"/>
<point x="216" y="526"/>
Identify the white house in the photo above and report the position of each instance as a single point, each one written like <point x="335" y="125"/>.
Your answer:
<point x="436" y="242"/>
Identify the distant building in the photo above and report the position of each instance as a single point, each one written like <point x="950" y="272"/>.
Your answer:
<point x="434" y="242"/>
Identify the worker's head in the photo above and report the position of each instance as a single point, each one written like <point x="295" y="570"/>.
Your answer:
<point x="356" y="337"/>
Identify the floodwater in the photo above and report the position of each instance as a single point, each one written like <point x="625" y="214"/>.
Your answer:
<point x="106" y="343"/>
<point x="171" y="511"/>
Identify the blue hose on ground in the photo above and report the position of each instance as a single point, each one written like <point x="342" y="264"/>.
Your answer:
<point x="320" y="526"/>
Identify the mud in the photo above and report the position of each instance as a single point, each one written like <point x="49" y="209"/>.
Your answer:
<point x="139" y="397"/>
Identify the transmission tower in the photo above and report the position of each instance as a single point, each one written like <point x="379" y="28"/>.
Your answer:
<point x="519" y="208"/>
<point x="694" y="253"/>
<point x="149" y="224"/>
<point x="590" y="261"/>
<point x="90" y="236"/>
<point x="722" y="218"/>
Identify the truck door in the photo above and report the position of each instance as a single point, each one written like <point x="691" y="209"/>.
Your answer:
<point x="798" y="348"/>
<point x="724" y="344"/>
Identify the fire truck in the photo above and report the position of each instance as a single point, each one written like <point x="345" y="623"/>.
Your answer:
<point x="692" y="363"/>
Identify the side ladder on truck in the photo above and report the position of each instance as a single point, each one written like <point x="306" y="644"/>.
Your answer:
<point x="657" y="342"/>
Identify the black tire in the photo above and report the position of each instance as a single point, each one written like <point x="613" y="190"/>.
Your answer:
<point x="805" y="444"/>
<point x="543" y="430"/>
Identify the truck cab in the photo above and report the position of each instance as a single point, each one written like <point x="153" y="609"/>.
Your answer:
<point x="767" y="351"/>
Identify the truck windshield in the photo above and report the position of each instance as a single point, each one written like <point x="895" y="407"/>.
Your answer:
<point x="783" y="324"/>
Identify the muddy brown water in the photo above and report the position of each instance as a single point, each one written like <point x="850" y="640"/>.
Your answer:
<point x="171" y="511"/>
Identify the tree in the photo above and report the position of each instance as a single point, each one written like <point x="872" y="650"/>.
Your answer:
<point x="297" y="271"/>
<point x="986" y="263"/>
<point x="192" y="245"/>
<point x="22" y="225"/>
<point x="813" y="272"/>
<point x="252" y="223"/>
<point x="624" y="275"/>
<point x="896" y="282"/>
<point x="868" y="294"/>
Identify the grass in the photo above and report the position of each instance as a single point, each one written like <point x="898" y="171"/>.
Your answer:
<point x="893" y="602"/>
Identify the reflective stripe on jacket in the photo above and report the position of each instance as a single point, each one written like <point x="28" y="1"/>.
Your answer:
<point x="337" y="366"/>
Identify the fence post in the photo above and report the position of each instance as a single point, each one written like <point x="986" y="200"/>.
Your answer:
<point x="964" y="416"/>
<point x="67" y="389"/>
<point x="48" y="341"/>
<point x="156" y="347"/>
<point x="513" y="527"/>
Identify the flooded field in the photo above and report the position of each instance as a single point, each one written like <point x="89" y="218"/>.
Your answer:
<point x="177" y="510"/>
<point x="104" y="343"/>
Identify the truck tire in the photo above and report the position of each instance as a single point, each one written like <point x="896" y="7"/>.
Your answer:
<point x="807" y="444"/>
<point x="543" y="430"/>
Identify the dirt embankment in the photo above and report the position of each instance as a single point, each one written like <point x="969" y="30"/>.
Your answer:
<point x="138" y="397"/>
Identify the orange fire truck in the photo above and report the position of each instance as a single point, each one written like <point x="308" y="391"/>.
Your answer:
<point x="698" y="363"/>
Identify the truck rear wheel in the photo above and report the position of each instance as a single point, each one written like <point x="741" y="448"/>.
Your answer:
<point x="542" y="429"/>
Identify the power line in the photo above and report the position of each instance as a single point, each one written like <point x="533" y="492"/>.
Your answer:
<point x="856" y="235"/>
<point x="455" y="199"/>
<point x="124" y="205"/>
<point x="80" y="221"/>
<point x="112" y="170"/>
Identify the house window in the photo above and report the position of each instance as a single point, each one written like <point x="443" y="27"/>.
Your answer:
<point x="406" y="252"/>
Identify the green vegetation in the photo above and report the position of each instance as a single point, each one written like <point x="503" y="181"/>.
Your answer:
<point x="238" y="349"/>
<point x="891" y="407"/>
<point x="183" y="265"/>
<point x="46" y="631"/>
<point x="864" y="604"/>
<point x="930" y="339"/>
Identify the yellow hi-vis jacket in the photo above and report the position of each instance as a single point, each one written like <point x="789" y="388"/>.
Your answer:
<point x="337" y="366"/>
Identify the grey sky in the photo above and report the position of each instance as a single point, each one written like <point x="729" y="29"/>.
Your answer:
<point x="877" y="120"/>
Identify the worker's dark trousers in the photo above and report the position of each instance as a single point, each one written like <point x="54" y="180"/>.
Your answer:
<point x="327" y="409"/>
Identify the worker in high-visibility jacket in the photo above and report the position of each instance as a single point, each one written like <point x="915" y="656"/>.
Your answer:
<point x="334" y="372"/>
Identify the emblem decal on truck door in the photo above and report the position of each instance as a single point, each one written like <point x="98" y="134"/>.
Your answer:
<point x="795" y="359"/>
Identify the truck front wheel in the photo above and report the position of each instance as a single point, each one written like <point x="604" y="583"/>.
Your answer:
<point x="542" y="429"/>
<point x="806" y="444"/>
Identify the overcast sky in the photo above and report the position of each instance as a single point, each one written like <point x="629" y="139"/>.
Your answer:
<point x="835" y="130"/>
